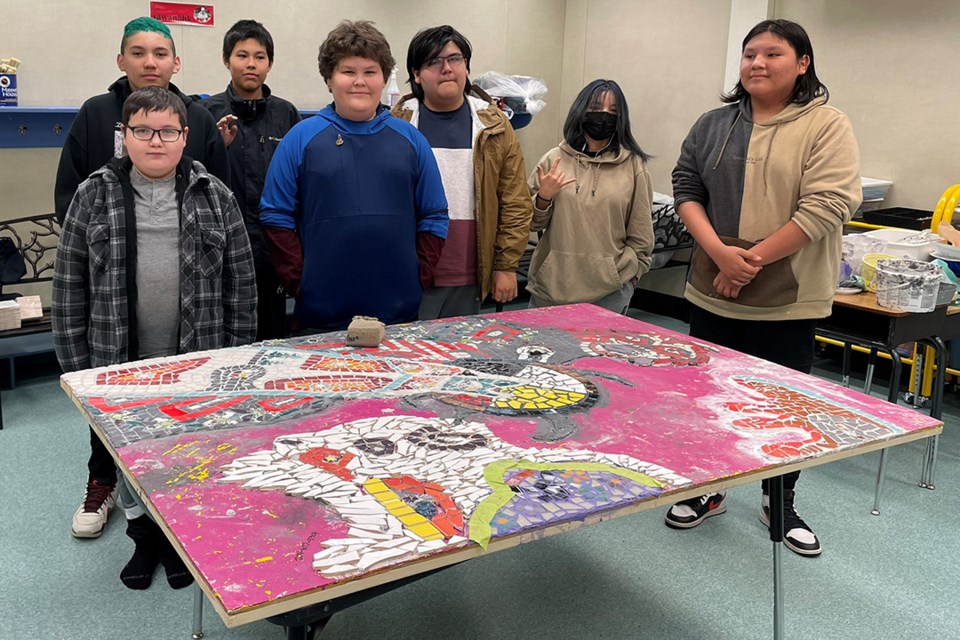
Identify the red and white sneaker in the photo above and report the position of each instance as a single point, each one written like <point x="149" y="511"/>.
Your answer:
<point x="91" y="517"/>
<point x="690" y="513"/>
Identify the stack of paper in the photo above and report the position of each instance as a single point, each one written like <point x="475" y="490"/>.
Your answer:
<point x="30" y="307"/>
<point x="9" y="315"/>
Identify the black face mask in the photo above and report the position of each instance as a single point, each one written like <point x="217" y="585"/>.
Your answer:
<point x="599" y="125"/>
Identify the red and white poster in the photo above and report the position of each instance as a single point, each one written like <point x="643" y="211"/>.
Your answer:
<point x="197" y="15"/>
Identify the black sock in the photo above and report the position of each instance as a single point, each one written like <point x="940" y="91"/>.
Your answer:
<point x="178" y="576"/>
<point x="138" y="573"/>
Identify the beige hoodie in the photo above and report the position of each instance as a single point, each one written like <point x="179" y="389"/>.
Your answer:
<point x="754" y="177"/>
<point x="597" y="233"/>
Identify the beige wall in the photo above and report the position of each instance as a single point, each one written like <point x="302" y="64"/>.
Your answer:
<point x="667" y="55"/>
<point x="883" y="60"/>
<point x="892" y="67"/>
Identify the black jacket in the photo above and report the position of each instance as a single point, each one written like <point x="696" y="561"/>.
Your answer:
<point x="262" y="124"/>
<point x="94" y="138"/>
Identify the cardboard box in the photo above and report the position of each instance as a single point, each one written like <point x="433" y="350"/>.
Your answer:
<point x="8" y="89"/>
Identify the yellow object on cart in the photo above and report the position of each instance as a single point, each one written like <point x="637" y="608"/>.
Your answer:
<point x="924" y="376"/>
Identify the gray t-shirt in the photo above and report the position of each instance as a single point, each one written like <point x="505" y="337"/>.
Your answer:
<point x="158" y="264"/>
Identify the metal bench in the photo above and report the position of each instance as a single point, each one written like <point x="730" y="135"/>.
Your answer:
<point x="36" y="238"/>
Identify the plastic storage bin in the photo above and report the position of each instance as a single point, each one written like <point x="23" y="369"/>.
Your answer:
<point x="904" y="243"/>
<point x="900" y="217"/>
<point x="874" y="188"/>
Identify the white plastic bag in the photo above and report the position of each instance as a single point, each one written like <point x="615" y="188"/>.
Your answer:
<point x="521" y="94"/>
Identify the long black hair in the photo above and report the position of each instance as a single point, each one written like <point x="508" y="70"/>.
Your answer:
<point x="808" y="85"/>
<point x="590" y="98"/>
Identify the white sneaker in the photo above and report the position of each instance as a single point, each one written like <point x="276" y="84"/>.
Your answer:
<point x="690" y="513"/>
<point x="797" y="534"/>
<point x="91" y="516"/>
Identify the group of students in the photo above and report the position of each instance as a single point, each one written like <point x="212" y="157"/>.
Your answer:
<point x="186" y="223"/>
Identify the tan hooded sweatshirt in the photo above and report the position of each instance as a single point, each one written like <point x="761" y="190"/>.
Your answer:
<point x="754" y="177"/>
<point x="597" y="233"/>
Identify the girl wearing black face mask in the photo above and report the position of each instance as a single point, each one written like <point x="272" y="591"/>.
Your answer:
<point x="599" y="126"/>
<point x="592" y="199"/>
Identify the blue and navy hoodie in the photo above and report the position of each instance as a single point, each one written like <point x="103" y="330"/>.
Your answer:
<point x="356" y="194"/>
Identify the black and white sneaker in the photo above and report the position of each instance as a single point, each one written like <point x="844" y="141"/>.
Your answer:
<point x="798" y="536"/>
<point x="690" y="513"/>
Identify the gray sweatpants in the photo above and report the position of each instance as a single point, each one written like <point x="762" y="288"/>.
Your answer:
<point x="618" y="301"/>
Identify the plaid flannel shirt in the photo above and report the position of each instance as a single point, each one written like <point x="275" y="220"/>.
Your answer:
<point x="218" y="296"/>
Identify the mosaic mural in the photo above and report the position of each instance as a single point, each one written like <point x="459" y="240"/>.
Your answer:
<point x="290" y="466"/>
<point x="405" y="485"/>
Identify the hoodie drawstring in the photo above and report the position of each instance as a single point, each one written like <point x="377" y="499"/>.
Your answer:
<point x="726" y="140"/>
<point x="766" y="158"/>
<point x="596" y="178"/>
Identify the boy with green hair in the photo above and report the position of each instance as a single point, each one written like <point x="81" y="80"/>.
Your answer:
<point x="148" y="57"/>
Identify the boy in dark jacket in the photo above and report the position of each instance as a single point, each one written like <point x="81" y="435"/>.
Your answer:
<point x="153" y="261"/>
<point x="252" y="122"/>
<point x="148" y="57"/>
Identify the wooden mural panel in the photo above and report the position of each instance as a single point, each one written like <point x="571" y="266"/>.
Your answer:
<point x="289" y="467"/>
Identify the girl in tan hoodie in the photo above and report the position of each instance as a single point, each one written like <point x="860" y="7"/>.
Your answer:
<point x="591" y="201"/>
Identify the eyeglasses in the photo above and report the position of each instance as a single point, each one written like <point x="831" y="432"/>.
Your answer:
<point x="146" y="134"/>
<point x="454" y="60"/>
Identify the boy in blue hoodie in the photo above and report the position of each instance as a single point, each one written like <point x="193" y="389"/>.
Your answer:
<point x="353" y="208"/>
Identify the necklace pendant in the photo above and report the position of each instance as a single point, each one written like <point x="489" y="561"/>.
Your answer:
<point x="339" y="140"/>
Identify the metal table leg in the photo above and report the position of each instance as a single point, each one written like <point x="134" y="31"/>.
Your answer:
<point x="892" y="391"/>
<point x="929" y="464"/>
<point x="775" y="488"/>
<point x="868" y="379"/>
<point x="197" y="613"/>
<point x="934" y="444"/>
<point x="881" y="470"/>
<point x="845" y="370"/>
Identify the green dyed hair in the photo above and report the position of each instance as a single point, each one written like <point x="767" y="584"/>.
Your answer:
<point x="144" y="24"/>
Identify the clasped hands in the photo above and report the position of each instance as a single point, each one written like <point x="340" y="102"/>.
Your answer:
<point x="738" y="268"/>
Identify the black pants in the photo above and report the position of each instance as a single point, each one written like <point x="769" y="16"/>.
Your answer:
<point x="271" y="305"/>
<point x="785" y="342"/>
<point x="101" y="466"/>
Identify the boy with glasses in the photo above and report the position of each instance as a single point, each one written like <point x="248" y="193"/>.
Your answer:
<point x="148" y="57"/>
<point x="153" y="261"/>
<point x="483" y="176"/>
